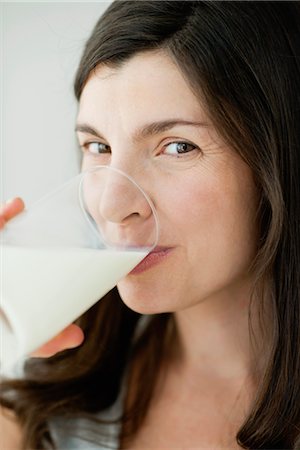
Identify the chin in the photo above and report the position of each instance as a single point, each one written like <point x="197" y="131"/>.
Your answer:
<point x="139" y="300"/>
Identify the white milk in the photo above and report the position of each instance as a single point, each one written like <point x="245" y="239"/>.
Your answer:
<point x="45" y="289"/>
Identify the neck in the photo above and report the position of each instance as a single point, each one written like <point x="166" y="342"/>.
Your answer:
<point x="214" y="340"/>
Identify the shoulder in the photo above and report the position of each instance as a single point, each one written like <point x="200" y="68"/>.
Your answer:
<point x="11" y="432"/>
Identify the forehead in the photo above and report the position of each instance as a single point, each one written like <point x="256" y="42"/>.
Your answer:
<point x="147" y="85"/>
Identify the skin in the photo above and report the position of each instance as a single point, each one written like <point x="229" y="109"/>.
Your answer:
<point x="191" y="192"/>
<point x="205" y="198"/>
<point x="206" y="201"/>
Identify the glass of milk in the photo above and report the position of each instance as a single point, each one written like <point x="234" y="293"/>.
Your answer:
<point x="66" y="252"/>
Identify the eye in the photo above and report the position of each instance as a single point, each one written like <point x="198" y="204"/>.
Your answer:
<point x="96" y="148"/>
<point x="179" y="148"/>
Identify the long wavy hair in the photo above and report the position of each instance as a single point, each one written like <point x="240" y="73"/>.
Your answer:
<point x="243" y="60"/>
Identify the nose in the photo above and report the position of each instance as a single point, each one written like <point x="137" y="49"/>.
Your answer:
<point x="122" y="201"/>
<point x="122" y="211"/>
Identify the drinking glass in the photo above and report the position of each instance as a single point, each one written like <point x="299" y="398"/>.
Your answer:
<point x="66" y="252"/>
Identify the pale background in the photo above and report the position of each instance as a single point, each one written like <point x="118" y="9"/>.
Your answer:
<point x="41" y="44"/>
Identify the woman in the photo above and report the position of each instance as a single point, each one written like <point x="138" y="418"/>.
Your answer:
<point x="199" y="103"/>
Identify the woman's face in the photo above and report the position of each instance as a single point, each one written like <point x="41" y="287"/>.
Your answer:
<point x="144" y="119"/>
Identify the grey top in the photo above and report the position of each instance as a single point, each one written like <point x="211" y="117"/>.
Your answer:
<point x="73" y="434"/>
<point x="79" y="433"/>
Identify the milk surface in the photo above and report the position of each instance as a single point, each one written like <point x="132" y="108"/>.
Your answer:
<point x="45" y="289"/>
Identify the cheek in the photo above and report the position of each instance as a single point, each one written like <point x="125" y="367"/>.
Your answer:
<point x="212" y="216"/>
<point x="191" y="205"/>
<point x="228" y="226"/>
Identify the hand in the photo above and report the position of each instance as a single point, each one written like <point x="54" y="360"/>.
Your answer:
<point x="70" y="337"/>
<point x="10" y="209"/>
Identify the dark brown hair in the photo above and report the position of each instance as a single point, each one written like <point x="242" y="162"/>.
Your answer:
<point x="243" y="60"/>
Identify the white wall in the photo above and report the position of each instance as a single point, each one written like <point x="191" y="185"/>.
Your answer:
<point x="41" y="44"/>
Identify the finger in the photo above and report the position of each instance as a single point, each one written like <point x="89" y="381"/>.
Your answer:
<point x="11" y="208"/>
<point x="70" y="337"/>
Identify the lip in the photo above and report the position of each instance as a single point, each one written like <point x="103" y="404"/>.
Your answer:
<point x="157" y="255"/>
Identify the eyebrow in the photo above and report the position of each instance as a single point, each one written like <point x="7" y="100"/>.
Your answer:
<point x="147" y="130"/>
